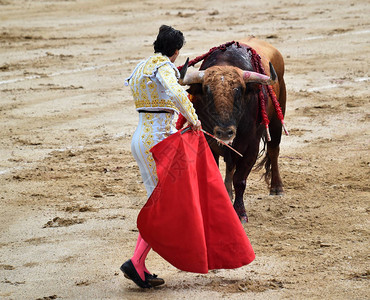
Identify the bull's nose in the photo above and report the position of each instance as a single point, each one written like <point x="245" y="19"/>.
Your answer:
<point x="224" y="134"/>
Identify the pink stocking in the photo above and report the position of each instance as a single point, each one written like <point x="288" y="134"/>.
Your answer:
<point x="138" y="259"/>
<point x="139" y="239"/>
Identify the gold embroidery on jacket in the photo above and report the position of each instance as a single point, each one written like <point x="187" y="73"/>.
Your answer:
<point x="162" y="92"/>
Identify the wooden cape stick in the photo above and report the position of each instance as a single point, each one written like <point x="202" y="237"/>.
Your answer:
<point x="223" y="143"/>
<point x="217" y="139"/>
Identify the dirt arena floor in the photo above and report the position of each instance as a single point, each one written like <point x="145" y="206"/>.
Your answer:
<point x="70" y="191"/>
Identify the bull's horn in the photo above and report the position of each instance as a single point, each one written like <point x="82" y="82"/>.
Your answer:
<point x="249" y="76"/>
<point x="192" y="77"/>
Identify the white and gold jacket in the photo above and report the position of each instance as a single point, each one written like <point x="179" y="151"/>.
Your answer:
<point x="154" y="85"/>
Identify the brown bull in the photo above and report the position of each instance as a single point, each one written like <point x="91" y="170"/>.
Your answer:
<point x="227" y="93"/>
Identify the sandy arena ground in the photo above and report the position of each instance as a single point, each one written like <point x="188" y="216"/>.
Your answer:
<point x="70" y="190"/>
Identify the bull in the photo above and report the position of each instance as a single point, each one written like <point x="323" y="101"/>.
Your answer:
<point x="226" y="94"/>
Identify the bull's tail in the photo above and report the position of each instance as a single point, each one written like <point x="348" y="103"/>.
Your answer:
<point x="265" y="162"/>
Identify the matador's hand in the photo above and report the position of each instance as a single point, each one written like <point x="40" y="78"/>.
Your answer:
<point x="197" y="126"/>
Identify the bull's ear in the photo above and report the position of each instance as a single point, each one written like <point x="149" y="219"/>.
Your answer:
<point x="272" y="72"/>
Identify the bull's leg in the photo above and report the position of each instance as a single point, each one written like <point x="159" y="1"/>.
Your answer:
<point x="276" y="187"/>
<point x="240" y="178"/>
<point x="239" y="207"/>
<point x="273" y="149"/>
<point x="229" y="173"/>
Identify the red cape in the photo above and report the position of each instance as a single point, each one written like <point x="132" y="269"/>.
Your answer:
<point x="189" y="219"/>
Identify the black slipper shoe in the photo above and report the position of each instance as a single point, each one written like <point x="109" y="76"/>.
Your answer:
<point x="153" y="279"/>
<point x="129" y="270"/>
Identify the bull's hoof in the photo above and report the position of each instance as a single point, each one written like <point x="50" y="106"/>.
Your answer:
<point x="240" y="211"/>
<point x="278" y="191"/>
<point x="243" y="219"/>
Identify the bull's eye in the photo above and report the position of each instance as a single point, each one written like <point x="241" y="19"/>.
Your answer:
<point x="208" y="89"/>
<point x="238" y="89"/>
<point x="238" y="99"/>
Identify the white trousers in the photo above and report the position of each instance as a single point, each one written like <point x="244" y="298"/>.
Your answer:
<point x="152" y="128"/>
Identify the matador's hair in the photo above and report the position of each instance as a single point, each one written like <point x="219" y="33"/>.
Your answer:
<point x="168" y="41"/>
